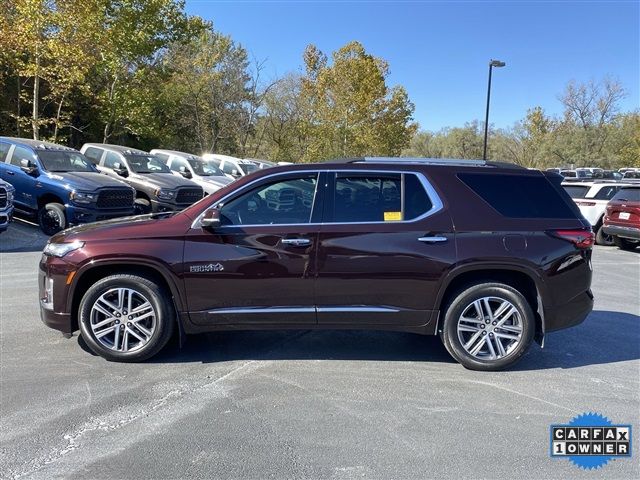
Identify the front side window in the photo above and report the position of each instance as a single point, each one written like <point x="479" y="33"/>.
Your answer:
<point x="146" y="164"/>
<point x="228" y="168"/>
<point x="64" y="161"/>
<point x="112" y="159"/>
<point x="93" y="154"/>
<point x="282" y="202"/>
<point x="379" y="198"/>
<point x="177" y="163"/>
<point x="21" y="153"/>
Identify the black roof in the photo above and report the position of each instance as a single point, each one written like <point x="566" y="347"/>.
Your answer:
<point x="119" y="148"/>
<point x="37" y="144"/>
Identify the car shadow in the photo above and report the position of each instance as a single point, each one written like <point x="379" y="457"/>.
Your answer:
<point x="605" y="337"/>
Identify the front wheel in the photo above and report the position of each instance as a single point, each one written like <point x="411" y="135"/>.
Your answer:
<point x="126" y="318"/>
<point x="625" y="243"/>
<point x="52" y="219"/>
<point x="488" y="326"/>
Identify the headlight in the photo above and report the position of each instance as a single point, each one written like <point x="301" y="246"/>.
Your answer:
<point x="164" y="194"/>
<point x="83" y="197"/>
<point x="61" y="249"/>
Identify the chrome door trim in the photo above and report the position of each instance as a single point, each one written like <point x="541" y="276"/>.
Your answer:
<point x="260" y="310"/>
<point x="358" y="309"/>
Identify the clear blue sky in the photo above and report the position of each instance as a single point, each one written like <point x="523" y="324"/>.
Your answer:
<point x="440" y="51"/>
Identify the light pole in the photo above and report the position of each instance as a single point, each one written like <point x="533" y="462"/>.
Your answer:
<point x="497" y="64"/>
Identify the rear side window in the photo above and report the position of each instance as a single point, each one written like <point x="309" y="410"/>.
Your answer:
<point x="628" y="194"/>
<point x="378" y="198"/>
<point x="606" y="193"/>
<point x="93" y="154"/>
<point x="576" y="191"/>
<point x="519" y="196"/>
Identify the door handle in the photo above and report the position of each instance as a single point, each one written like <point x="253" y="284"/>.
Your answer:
<point x="9" y="172"/>
<point x="296" y="242"/>
<point x="433" y="239"/>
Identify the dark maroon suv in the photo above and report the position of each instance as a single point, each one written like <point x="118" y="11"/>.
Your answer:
<point x="488" y="256"/>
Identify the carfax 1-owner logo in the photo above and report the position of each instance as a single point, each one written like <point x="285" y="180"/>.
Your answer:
<point x="590" y="441"/>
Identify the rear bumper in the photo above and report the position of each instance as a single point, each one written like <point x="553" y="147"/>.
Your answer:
<point x="624" y="232"/>
<point x="569" y="314"/>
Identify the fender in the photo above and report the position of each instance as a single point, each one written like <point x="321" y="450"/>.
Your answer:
<point x="479" y="266"/>
<point x="161" y="268"/>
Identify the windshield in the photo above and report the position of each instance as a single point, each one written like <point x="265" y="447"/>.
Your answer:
<point x="205" y="169"/>
<point x="576" y="191"/>
<point x="61" y="161"/>
<point x="146" y="164"/>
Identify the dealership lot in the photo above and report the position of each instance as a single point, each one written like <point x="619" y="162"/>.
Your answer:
<point x="307" y="404"/>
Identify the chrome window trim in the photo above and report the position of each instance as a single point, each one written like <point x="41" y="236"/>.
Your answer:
<point x="436" y="202"/>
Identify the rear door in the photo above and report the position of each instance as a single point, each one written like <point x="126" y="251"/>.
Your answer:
<point x="385" y="242"/>
<point x="257" y="268"/>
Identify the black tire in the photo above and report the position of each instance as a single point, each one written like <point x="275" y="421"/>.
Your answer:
<point x="626" y="244"/>
<point x="463" y="300"/>
<point x="142" y="206"/>
<point x="603" y="239"/>
<point x="155" y="294"/>
<point x="52" y="218"/>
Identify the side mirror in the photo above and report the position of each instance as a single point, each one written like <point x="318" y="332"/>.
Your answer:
<point x="28" y="167"/>
<point x="211" y="218"/>
<point x="120" y="170"/>
<point x="184" y="172"/>
<point x="235" y="173"/>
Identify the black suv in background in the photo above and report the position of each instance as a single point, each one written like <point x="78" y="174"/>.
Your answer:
<point x="488" y="256"/>
<point x="157" y="188"/>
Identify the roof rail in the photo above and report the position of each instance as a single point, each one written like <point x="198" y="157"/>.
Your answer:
<point x="427" y="161"/>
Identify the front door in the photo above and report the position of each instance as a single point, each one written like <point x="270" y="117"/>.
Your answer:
<point x="27" y="186"/>
<point x="385" y="243"/>
<point x="257" y="267"/>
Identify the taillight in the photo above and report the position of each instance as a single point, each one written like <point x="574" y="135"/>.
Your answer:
<point x="582" y="239"/>
<point x="581" y="203"/>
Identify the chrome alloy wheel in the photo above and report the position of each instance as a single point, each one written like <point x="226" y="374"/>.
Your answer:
<point x="123" y="319"/>
<point x="490" y="328"/>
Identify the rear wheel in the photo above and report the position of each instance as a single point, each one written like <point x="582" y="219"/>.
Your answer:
<point x="603" y="238"/>
<point x="51" y="218"/>
<point x="142" y="206"/>
<point x="488" y="326"/>
<point x="625" y="243"/>
<point x="126" y="318"/>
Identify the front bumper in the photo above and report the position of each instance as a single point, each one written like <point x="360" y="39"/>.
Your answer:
<point x="624" y="232"/>
<point x="53" y="292"/>
<point x="160" y="206"/>
<point x="5" y="218"/>
<point x="77" y="214"/>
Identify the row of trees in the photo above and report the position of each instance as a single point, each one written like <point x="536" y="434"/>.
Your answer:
<point x="145" y="74"/>
<point x="591" y="132"/>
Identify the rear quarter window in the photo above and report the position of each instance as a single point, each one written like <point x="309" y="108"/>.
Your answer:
<point x="576" y="191"/>
<point x="519" y="196"/>
<point x="606" y="193"/>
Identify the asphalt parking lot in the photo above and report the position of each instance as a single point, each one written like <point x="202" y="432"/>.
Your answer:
<point x="303" y="404"/>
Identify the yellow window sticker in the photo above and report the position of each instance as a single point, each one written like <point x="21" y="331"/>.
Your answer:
<point x="392" y="216"/>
